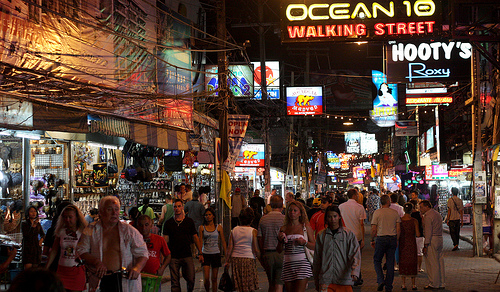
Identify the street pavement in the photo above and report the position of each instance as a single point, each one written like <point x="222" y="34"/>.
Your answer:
<point x="464" y="272"/>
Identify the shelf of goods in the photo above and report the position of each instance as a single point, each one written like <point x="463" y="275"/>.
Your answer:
<point x="132" y="194"/>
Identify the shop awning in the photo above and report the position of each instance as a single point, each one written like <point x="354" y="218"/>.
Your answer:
<point x="155" y="136"/>
<point x="54" y="118"/>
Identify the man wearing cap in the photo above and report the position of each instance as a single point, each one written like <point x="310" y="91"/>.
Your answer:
<point x="318" y="219"/>
<point x="315" y="208"/>
<point x="238" y="203"/>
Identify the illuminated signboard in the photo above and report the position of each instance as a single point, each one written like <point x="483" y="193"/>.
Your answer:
<point x="428" y="61"/>
<point x="385" y="105"/>
<point x="440" y="169"/>
<point x="332" y="159"/>
<point x="272" y="80"/>
<point x="344" y="160"/>
<point x="251" y="155"/>
<point x="361" y="143"/>
<point x="406" y="128"/>
<point x="429" y="139"/>
<point x="429" y="100"/>
<point x="455" y="172"/>
<point x="358" y="20"/>
<point x="239" y="80"/>
<point x="304" y="100"/>
<point x="428" y="172"/>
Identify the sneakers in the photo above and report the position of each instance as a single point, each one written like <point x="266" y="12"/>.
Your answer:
<point x="455" y="248"/>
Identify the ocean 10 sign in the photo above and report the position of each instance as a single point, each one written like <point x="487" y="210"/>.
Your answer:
<point x="354" y="20"/>
<point x="428" y="61"/>
<point x="304" y="100"/>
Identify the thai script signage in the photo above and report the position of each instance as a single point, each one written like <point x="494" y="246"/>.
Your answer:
<point x="358" y="20"/>
<point x="251" y="155"/>
<point x="428" y="61"/>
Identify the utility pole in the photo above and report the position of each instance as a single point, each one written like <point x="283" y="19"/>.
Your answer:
<point x="224" y="107"/>
<point x="263" y="86"/>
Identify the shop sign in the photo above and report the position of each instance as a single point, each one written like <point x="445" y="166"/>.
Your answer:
<point x="239" y="79"/>
<point x="428" y="172"/>
<point x="272" y="80"/>
<point x="251" y="155"/>
<point x="304" y="100"/>
<point x="331" y="173"/>
<point x="344" y="160"/>
<point x="360" y="143"/>
<point x="351" y="20"/>
<point x="428" y="61"/>
<point x="440" y="169"/>
<point x="385" y="105"/>
<point x="237" y="125"/>
<point x="406" y="128"/>
<point x="332" y="159"/>
<point x="428" y="100"/>
<point x="456" y="172"/>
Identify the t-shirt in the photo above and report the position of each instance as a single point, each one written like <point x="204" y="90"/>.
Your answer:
<point x="180" y="237"/>
<point x="167" y="211"/>
<point x="386" y="220"/>
<point x="455" y="207"/>
<point x="149" y="212"/>
<point x="257" y="203"/>
<point x="156" y="246"/>
<point x="269" y="228"/>
<point x="352" y="212"/>
<point x="68" y="242"/>
<point x="318" y="222"/>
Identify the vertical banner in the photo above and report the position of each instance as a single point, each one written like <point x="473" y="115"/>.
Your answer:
<point x="237" y="127"/>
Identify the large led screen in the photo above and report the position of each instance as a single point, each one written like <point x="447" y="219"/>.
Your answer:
<point x="304" y="100"/>
<point x="360" y="143"/>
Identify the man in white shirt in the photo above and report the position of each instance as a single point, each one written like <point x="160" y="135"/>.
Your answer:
<point x="395" y="206"/>
<point x="353" y="215"/>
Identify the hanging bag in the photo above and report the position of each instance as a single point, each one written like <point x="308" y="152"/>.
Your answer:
<point x="309" y="253"/>
<point x="226" y="283"/>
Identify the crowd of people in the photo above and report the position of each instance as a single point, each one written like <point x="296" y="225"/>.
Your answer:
<point x="294" y="240"/>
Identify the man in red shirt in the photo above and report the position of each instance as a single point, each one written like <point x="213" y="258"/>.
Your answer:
<point x="318" y="219"/>
<point x="156" y="246"/>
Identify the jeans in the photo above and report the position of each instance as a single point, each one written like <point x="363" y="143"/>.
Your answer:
<point x="454" y="231"/>
<point x="188" y="273"/>
<point x="385" y="245"/>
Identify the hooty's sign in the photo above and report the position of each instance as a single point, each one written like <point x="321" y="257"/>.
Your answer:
<point x="329" y="20"/>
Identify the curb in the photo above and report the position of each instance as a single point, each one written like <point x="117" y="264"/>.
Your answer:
<point x="463" y="238"/>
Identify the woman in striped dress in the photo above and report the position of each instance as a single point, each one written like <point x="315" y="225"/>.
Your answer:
<point x="296" y="267"/>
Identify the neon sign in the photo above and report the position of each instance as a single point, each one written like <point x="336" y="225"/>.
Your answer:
<point x="429" y="100"/>
<point x="358" y="20"/>
<point x="428" y="61"/>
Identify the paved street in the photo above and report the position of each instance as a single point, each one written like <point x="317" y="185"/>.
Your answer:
<point x="463" y="271"/>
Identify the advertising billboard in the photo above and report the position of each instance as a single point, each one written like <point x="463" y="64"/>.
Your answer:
<point x="428" y="61"/>
<point x="344" y="89"/>
<point x="239" y="79"/>
<point x="272" y="80"/>
<point x="350" y="20"/>
<point x="332" y="159"/>
<point x="360" y="143"/>
<point x="406" y="128"/>
<point x="304" y="100"/>
<point x="251" y="155"/>
<point x="385" y="105"/>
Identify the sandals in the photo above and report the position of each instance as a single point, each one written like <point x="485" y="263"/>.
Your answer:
<point x="404" y="288"/>
<point x="414" y="288"/>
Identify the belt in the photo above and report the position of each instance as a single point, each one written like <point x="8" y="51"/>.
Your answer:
<point x="270" y="250"/>
<point x="387" y="236"/>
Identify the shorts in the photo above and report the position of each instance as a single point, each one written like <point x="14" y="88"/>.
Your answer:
<point x="212" y="260"/>
<point x="336" y="288"/>
<point x="420" y="246"/>
<point x="273" y="265"/>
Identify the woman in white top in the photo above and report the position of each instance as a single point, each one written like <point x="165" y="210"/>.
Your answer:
<point x="296" y="267"/>
<point x="68" y="230"/>
<point x="212" y="237"/>
<point x="242" y="251"/>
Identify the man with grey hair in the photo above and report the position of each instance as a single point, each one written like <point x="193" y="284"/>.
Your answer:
<point x="267" y="235"/>
<point x="109" y="246"/>
<point x="433" y="245"/>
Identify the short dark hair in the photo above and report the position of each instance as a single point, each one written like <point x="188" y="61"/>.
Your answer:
<point x="426" y="203"/>
<point x="246" y="216"/>
<point x="384" y="200"/>
<point x="394" y="197"/>
<point x="145" y="201"/>
<point x="94" y="211"/>
<point x="351" y="193"/>
<point x="454" y="191"/>
<point x="178" y="200"/>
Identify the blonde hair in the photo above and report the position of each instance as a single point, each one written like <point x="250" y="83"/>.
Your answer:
<point x="303" y="214"/>
<point x="81" y="223"/>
